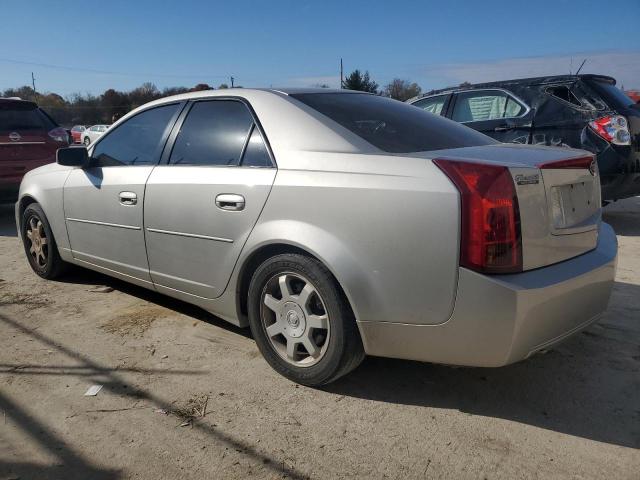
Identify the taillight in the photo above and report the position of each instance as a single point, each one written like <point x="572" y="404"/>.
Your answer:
<point x="490" y="238"/>
<point x="587" y="163"/>
<point x="59" y="134"/>
<point x="613" y="129"/>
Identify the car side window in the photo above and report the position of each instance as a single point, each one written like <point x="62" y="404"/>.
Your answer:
<point x="213" y="134"/>
<point x="136" y="141"/>
<point x="432" y="104"/>
<point x="475" y="106"/>
<point x="255" y="153"/>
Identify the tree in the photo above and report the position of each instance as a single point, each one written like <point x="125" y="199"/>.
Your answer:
<point x="357" y="81"/>
<point x="222" y="86"/>
<point x="402" y="90"/>
<point x="200" y="87"/>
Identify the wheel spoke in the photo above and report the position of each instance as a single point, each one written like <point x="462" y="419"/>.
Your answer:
<point x="291" y="349"/>
<point x="31" y="249"/>
<point x="310" y="345"/>
<point x="272" y="303"/>
<point x="44" y="240"/>
<point x="33" y="224"/>
<point x="40" y="229"/>
<point x="318" y="321"/>
<point x="29" y="234"/>
<point x="305" y="294"/>
<point x="275" y="329"/>
<point x="284" y="287"/>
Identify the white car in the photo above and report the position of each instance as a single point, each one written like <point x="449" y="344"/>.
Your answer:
<point x="91" y="134"/>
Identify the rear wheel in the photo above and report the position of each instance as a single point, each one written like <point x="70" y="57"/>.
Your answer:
<point x="39" y="244"/>
<point x="301" y="320"/>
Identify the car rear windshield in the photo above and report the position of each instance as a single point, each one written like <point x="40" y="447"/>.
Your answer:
<point x="390" y="125"/>
<point x="23" y="117"/>
<point x="614" y="97"/>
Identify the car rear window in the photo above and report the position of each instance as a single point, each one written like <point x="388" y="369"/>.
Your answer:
<point x="23" y="117"/>
<point x="390" y="125"/>
<point x="614" y="97"/>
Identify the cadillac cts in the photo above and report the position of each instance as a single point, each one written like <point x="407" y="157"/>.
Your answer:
<point x="335" y="224"/>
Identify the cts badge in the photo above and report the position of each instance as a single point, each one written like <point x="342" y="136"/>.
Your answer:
<point x="527" y="179"/>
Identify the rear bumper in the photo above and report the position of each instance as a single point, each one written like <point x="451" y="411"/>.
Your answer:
<point x="502" y="319"/>
<point x="619" y="172"/>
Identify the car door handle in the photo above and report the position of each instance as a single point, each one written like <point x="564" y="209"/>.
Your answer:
<point x="128" y="198"/>
<point x="230" y="202"/>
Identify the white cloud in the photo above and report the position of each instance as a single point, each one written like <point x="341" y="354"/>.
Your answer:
<point x="623" y="66"/>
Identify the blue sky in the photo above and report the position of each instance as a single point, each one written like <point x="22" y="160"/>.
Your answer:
<point x="92" y="46"/>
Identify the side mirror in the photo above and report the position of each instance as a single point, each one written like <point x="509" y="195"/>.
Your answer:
<point x="73" y="157"/>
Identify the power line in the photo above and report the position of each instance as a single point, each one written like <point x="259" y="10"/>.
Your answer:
<point x="108" y="72"/>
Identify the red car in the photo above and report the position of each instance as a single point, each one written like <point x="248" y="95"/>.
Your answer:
<point x="29" y="138"/>
<point x="634" y="95"/>
<point x="76" y="133"/>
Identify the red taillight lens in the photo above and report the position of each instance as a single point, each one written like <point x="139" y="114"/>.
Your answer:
<point x="577" y="163"/>
<point x="59" y="134"/>
<point x="614" y="129"/>
<point x="490" y="239"/>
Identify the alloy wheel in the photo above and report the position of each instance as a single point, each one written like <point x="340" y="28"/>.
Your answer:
<point x="295" y="319"/>
<point x="38" y="241"/>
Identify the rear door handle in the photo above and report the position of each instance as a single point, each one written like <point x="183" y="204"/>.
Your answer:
<point x="128" y="198"/>
<point x="230" y="202"/>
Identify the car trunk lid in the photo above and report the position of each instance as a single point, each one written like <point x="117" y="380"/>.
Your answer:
<point x="558" y="193"/>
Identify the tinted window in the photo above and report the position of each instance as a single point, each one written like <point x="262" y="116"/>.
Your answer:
<point x="485" y="105"/>
<point x="390" y="125"/>
<point x="615" y="97"/>
<point x="432" y="105"/>
<point x="256" y="154"/>
<point x="22" y="117"/>
<point x="214" y="133"/>
<point x="136" y="141"/>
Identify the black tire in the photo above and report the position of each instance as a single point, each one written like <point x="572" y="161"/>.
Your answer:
<point x="53" y="266"/>
<point x="344" y="351"/>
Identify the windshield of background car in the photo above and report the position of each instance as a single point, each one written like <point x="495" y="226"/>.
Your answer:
<point x="615" y="97"/>
<point x="22" y="117"/>
<point x="390" y="125"/>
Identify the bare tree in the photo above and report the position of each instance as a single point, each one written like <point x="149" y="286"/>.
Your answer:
<point x="402" y="90"/>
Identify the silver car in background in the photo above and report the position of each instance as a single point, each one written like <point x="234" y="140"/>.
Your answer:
<point x="335" y="224"/>
<point x="91" y="134"/>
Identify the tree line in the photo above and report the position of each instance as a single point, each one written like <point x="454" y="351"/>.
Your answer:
<point x="89" y="109"/>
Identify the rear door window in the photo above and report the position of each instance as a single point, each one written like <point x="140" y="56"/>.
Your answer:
<point x="433" y="105"/>
<point x="482" y="105"/>
<point x="390" y="125"/>
<point x="213" y="134"/>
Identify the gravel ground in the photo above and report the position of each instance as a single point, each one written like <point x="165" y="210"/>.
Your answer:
<point x="186" y="395"/>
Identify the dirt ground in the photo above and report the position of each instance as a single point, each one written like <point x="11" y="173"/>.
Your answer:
<point x="186" y="395"/>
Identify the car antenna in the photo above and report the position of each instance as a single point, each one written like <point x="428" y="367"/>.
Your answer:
<point x="581" y="65"/>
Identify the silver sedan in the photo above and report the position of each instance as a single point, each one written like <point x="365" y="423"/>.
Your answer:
<point x="335" y="224"/>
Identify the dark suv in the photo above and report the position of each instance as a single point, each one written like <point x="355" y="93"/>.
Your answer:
<point x="29" y="138"/>
<point x="579" y="111"/>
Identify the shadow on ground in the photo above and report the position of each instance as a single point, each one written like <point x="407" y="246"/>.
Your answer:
<point x="7" y="220"/>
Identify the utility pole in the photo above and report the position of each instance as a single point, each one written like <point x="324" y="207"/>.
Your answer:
<point x="231" y="81"/>
<point x="341" y="75"/>
<point x="33" y="82"/>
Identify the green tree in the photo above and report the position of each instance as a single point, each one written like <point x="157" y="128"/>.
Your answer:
<point x="402" y="90"/>
<point x="222" y="86"/>
<point x="362" y="82"/>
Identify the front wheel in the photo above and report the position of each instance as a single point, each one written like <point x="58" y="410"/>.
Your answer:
<point x="302" y="321"/>
<point x="39" y="244"/>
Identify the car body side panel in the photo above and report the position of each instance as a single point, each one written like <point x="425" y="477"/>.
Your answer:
<point x="390" y="240"/>
<point x="45" y="186"/>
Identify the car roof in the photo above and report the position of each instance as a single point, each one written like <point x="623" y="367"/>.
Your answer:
<point x="517" y="81"/>
<point x="17" y="100"/>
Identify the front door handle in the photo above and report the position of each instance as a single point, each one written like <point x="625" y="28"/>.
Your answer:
<point x="128" y="198"/>
<point x="230" y="202"/>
